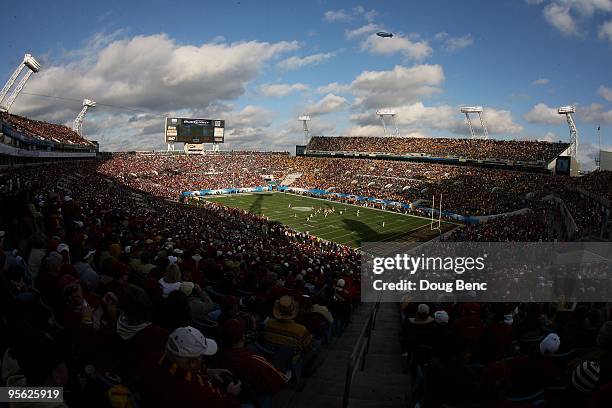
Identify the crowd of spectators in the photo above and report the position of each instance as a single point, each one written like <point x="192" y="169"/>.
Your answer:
<point x="112" y="289"/>
<point x="509" y="354"/>
<point x="43" y="130"/>
<point x="476" y="149"/>
<point x="118" y="295"/>
<point x="465" y="190"/>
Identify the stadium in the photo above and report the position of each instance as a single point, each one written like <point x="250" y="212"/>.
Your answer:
<point x="198" y="275"/>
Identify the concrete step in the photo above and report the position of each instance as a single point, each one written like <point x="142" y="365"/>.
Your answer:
<point x="377" y="363"/>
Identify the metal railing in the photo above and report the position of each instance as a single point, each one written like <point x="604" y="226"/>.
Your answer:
<point x="358" y="356"/>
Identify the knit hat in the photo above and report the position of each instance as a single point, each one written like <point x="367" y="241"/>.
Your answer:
<point x="190" y="343"/>
<point x="586" y="376"/>
<point x="441" y="317"/>
<point x="550" y="344"/>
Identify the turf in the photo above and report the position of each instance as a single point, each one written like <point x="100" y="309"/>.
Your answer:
<point x="346" y="228"/>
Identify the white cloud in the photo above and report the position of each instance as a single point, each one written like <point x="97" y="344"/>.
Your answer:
<point x="276" y="90"/>
<point x="333" y="87"/>
<point x="543" y="114"/>
<point x="416" y="50"/>
<point x="423" y="119"/>
<point x="549" y="137"/>
<point x="367" y="130"/>
<point x="605" y="93"/>
<point x="587" y="154"/>
<point x="567" y="15"/>
<point x="151" y="73"/>
<point x="369" y="15"/>
<point x="453" y="44"/>
<point x="541" y="81"/>
<point x="363" y="30"/>
<point x="329" y="103"/>
<point x="595" y="113"/>
<point x="605" y="31"/>
<point x="336" y="15"/>
<point x="293" y="63"/>
<point x="401" y="85"/>
<point x="559" y="17"/>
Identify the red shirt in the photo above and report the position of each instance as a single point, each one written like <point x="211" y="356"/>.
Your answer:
<point x="167" y="385"/>
<point x="252" y="369"/>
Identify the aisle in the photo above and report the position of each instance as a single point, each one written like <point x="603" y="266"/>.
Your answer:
<point x="381" y="384"/>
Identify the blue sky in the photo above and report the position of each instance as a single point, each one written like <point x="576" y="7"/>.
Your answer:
<point x="259" y="64"/>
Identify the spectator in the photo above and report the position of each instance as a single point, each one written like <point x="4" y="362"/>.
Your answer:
<point x="180" y="377"/>
<point x="252" y="370"/>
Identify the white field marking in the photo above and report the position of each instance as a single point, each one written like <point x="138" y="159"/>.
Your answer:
<point x="368" y="208"/>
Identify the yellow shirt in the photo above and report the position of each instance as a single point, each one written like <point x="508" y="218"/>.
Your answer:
<point x="287" y="333"/>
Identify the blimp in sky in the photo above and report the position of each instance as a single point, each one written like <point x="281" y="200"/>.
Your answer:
<point x="384" y="34"/>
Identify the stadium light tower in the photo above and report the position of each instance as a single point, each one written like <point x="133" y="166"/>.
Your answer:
<point x="77" y="125"/>
<point x="475" y="109"/>
<point x="568" y="111"/>
<point x="388" y="113"/>
<point x="33" y="66"/>
<point x="305" y="119"/>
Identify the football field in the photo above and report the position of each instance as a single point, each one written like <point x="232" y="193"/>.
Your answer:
<point x="343" y="226"/>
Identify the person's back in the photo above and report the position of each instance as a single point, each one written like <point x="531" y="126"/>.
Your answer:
<point x="283" y="330"/>
<point x="286" y="332"/>
<point x="496" y="342"/>
<point x="469" y="328"/>
<point x="252" y="369"/>
<point x="167" y="385"/>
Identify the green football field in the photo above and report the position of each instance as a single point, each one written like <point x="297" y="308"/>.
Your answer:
<point x="347" y="228"/>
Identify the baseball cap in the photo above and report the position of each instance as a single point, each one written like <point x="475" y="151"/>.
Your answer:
<point x="190" y="343"/>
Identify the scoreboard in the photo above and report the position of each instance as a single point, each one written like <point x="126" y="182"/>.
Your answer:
<point x="190" y="130"/>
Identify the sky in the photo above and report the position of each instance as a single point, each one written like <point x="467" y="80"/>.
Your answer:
<point x="261" y="64"/>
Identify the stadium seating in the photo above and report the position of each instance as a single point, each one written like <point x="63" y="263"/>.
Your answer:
<point x="101" y="257"/>
<point x="476" y="149"/>
<point x="40" y="130"/>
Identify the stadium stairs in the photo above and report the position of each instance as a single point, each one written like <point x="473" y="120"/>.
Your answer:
<point x="290" y="179"/>
<point x="382" y="383"/>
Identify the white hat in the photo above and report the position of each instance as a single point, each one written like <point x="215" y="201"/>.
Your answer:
<point x="423" y="309"/>
<point x="340" y="283"/>
<point x="550" y="344"/>
<point x="190" y="343"/>
<point x="441" y="316"/>
<point x="62" y="247"/>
